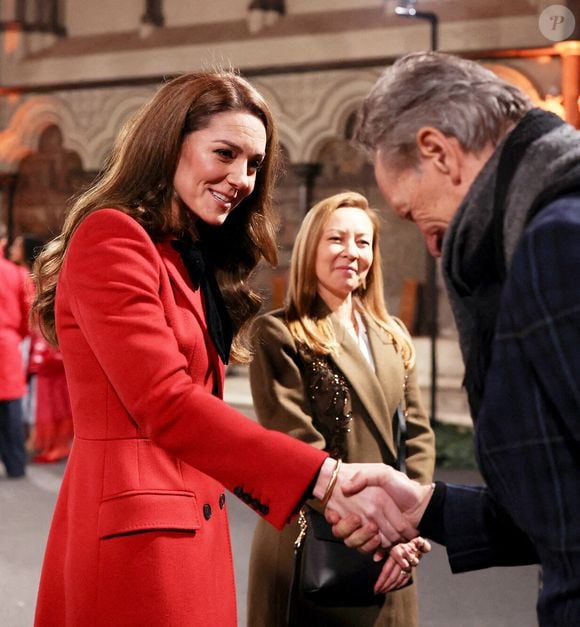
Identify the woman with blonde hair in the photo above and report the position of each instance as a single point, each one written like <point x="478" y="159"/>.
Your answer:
<point x="331" y="369"/>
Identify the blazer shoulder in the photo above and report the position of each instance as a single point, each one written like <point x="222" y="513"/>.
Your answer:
<point x="401" y="324"/>
<point x="272" y="326"/>
<point x="275" y="319"/>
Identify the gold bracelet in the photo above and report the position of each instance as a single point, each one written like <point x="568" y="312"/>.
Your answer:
<point x="331" y="484"/>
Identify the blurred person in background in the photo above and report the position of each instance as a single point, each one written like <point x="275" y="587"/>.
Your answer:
<point x="48" y="414"/>
<point x="14" y="312"/>
<point x="22" y="251"/>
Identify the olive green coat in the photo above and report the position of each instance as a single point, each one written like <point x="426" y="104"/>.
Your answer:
<point x="281" y="402"/>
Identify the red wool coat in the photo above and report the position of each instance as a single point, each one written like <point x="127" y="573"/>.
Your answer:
<point x="14" y="309"/>
<point x="140" y="533"/>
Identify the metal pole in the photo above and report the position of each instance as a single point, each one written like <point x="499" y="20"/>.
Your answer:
<point x="431" y="263"/>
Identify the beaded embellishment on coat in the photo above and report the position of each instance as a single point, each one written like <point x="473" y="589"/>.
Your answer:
<point x="329" y="395"/>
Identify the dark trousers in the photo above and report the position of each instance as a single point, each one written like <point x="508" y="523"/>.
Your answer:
<point x="12" y="450"/>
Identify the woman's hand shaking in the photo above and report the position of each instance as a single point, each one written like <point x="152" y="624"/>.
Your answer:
<point x="371" y="505"/>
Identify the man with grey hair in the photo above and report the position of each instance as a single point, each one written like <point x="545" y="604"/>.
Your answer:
<point x="493" y="184"/>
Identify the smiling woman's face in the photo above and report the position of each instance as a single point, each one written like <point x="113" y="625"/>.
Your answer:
<point x="218" y="165"/>
<point x="344" y="253"/>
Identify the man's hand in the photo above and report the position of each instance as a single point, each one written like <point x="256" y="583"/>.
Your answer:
<point x="410" y="497"/>
<point x="361" y="508"/>
<point x="387" y="512"/>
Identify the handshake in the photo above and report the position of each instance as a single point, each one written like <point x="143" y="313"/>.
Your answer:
<point x="376" y="509"/>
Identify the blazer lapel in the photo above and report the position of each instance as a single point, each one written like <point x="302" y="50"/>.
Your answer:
<point x="363" y="379"/>
<point x="390" y="370"/>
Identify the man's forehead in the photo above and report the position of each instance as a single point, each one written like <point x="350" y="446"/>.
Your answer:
<point x="385" y="169"/>
<point x="391" y="162"/>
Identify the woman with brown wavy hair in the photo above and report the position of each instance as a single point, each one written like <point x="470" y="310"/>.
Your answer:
<point x="145" y="291"/>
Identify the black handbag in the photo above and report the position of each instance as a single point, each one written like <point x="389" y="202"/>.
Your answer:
<point x="331" y="574"/>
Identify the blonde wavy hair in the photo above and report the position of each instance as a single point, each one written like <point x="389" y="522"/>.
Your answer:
<point x="138" y="180"/>
<point x="305" y="321"/>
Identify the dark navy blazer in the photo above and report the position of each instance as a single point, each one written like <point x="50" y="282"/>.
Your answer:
<point x="528" y="430"/>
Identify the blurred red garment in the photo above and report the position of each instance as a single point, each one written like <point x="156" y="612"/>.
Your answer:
<point x="14" y="310"/>
<point x="53" y="433"/>
<point x="15" y="300"/>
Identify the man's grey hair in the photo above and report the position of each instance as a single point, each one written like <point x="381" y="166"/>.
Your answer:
<point x="460" y="98"/>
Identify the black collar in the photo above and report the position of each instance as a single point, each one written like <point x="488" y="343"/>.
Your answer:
<point x="202" y="277"/>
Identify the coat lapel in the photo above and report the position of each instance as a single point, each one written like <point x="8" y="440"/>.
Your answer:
<point x="182" y="285"/>
<point x="363" y="379"/>
<point x="180" y="281"/>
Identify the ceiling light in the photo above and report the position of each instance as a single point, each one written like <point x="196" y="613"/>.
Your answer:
<point x="406" y="7"/>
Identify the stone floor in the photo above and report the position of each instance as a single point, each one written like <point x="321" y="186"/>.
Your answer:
<point x="493" y="598"/>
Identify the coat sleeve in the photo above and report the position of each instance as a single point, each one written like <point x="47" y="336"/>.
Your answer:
<point x="479" y="533"/>
<point x="277" y="383"/>
<point x="112" y="273"/>
<point x="420" y="456"/>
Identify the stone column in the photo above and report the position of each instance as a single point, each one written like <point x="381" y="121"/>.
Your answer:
<point x="306" y="173"/>
<point x="570" y="53"/>
<point x="153" y="13"/>
<point x="7" y="187"/>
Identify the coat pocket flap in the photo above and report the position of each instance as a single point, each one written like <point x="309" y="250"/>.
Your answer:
<point x="132" y="512"/>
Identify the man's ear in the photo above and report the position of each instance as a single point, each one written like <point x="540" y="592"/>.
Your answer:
<point x="440" y="150"/>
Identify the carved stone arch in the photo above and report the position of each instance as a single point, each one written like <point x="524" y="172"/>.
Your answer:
<point x="334" y="151"/>
<point x="284" y="123"/>
<point x="89" y="122"/>
<point x="288" y="141"/>
<point x="340" y="132"/>
<point x="519" y="79"/>
<point x="336" y="105"/>
<point x="26" y="125"/>
<point x="103" y="134"/>
<point x="275" y="100"/>
<point x="46" y="179"/>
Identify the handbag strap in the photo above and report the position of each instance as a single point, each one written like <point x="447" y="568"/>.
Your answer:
<point x="303" y="524"/>
<point x="400" y="424"/>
